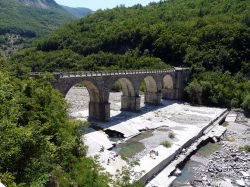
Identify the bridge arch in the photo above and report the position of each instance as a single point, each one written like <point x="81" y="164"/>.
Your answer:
<point x="126" y="86"/>
<point x="93" y="91"/>
<point x="129" y="98"/>
<point x="152" y="91"/>
<point x="167" y="82"/>
<point x="150" y="84"/>
<point x="97" y="107"/>
<point x="168" y="87"/>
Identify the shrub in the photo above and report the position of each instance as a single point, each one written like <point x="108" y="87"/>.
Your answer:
<point x="116" y="87"/>
<point x="166" y="144"/>
<point x="171" y="135"/>
<point x="245" y="148"/>
<point x="246" y="103"/>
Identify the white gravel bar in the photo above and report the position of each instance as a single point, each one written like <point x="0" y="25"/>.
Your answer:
<point x="185" y="121"/>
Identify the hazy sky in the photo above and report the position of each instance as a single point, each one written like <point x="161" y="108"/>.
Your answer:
<point x="101" y="4"/>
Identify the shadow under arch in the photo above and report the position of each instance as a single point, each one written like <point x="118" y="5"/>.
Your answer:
<point x="168" y="87"/>
<point x="150" y="84"/>
<point x="90" y="99"/>
<point x="152" y="93"/>
<point x="130" y="101"/>
<point x="126" y="86"/>
<point x="93" y="91"/>
<point x="168" y="82"/>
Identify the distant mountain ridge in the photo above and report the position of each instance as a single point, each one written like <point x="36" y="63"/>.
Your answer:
<point x="78" y="12"/>
<point x="23" y="20"/>
<point x="39" y="3"/>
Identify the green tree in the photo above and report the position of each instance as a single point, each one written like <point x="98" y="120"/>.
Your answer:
<point x="246" y="103"/>
<point x="194" y="90"/>
<point x="38" y="141"/>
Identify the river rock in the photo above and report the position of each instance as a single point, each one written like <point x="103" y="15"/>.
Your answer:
<point x="241" y="182"/>
<point x="177" y="172"/>
<point x="204" y="178"/>
<point x="245" y="174"/>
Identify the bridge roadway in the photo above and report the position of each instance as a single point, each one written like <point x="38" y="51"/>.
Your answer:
<point x="159" y="84"/>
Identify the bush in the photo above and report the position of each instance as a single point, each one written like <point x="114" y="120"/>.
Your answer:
<point x="116" y="87"/>
<point x="219" y="89"/>
<point x="171" y="135"/>
<point x="246" y="103"/>
<point x="143" y="87"/>
<point x="194" y="91"/>
<point x="234" y="103"/>
<point x="166" y="144"/>
<point x="245" y="148"/>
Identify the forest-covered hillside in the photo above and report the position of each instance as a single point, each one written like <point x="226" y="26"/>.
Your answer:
<point x="204" y="34"/>
<point x="210" y="36"/>
<point x="23" y="20"/>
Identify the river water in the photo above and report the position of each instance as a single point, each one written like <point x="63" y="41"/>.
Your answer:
<point x="139" y="145"/>
<point x="195" y="161"/>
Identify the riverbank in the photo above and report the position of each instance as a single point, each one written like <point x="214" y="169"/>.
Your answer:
<point x="212" y="131"/>
<point x="228" y="166"/>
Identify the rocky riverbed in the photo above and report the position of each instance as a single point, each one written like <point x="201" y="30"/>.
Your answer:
<point x="224" y="167"/>
<point x="142" y="132"/>
<point x="227" y="166"/>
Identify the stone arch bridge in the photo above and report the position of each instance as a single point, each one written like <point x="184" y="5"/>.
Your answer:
<point x="160" y="84"/>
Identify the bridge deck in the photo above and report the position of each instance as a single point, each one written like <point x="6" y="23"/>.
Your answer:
<point x="109" y="73"/>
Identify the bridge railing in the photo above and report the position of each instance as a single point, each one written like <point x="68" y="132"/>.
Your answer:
<point x="109" y="73"/>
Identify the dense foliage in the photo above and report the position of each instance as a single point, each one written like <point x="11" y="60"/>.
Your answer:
<point x="203" y="34"/>
<point x="220" y="89"/>
<point x="206" y="35"/>
<point x="65" y="60"/>
<point x="39" y="145"/>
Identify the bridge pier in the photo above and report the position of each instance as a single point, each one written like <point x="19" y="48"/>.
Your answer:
<point x="130" y="103"/>
<point x="99" y="111"/>
<point x="153" y="98"/>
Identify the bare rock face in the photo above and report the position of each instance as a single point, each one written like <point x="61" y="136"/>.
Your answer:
<point x="39" y="3"/>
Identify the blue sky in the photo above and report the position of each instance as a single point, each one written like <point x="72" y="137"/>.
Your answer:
<point x="101" y="4"/>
